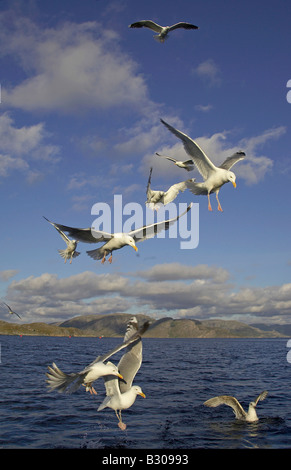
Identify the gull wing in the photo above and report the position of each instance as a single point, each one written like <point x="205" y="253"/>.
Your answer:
<point x="173" y="191"/>
<point x="168" y="158"/>
<point x="147" y="24"/>
<point x="86" y="235"/>
<point x="63" y="235"/>
<point x="11" y="311"/>
<point x="229" y="401"/>
<point x="183" y="24"/>
<point x="132" y="334"/>
<point x="230" y="161"/>
<point x="149" y="231"/>
<point x="202" y="162"/>
<point x="261" y="397"/>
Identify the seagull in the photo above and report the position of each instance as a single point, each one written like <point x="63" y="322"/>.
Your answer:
<point x="155" y="198"/>
<point x="162" y="30"/>
<point x="115" y="241"/>
<point x="10" y="310"/>
<point x="70" y="251"/>
<point x="187" y="164"/>
<point x="214" y="177"/>
<point x="238" y="410"/>
<point x="121" y="394"/>
<point x="58" y="380"/>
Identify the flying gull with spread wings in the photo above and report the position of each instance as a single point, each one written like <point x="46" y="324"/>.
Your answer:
<point x="62" y="382"/>
<point x="115" y="241"/>
<point x="188" y="165"/>
<point x="70" y="252"/>
<point x="10" y="310"/>
<point x="121" y="394"/>
<point x="162" y="31"/>
<point x="156" y="198"/>
<point x="240" y="413"/>
<point x="214" y="177"/>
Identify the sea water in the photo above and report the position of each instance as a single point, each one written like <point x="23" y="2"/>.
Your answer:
<point x="177" y="376"/>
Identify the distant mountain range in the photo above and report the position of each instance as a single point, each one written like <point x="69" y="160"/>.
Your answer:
<point x="113" y="325"/>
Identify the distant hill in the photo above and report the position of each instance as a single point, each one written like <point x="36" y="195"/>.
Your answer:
<point x="113" y="325"/>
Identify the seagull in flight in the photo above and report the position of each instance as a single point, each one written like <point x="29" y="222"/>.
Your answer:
<point x="249" y="416"/>
<point x="62" y="382"/>
<point x="115" y="241"/>
<point x="155" y="198"/>
<point x="70" y="252"/>
<point x="121" y="394"/>
<point x="188" y="165"/>
<point x="10" y="310"/>
<point x="214" y="177"/>
<point x="161" y="30"/>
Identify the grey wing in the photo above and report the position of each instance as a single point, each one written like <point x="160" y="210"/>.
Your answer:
<point x="147" y="24"/>
<point x="168" y="158"/>
<point x="63" y="235"/>
<point x="173" y="191"/>
<point x="229" y="401"/>
<point x="202" y="162"/>
<point x="183" y="24"/>
<point x="261" y="397"/>
<point x="129" y="364"/>
<point x="149" y="231"/>
<point x="197" y="188"/>
<point x="149" y="183"/>
<point x="132" y="334"/>
<point x="86" y="235"/>
<point x="230" y="161"/>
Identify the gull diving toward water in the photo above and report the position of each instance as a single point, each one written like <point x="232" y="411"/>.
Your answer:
<point x="162" y="30"/>
<point x="121" y="394"/>
<point x="238" y="410"/>
<point x="58" y="380"/>
<point x="10" y="310"/>
<point x="115" y="241"/>
<point x="155" y="198"/>
<point x="70" y="252"/>
<point x="188" y="165"/>
<point x="214" y="177"/>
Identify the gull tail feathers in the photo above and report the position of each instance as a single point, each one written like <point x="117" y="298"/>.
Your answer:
<point x="104" y="403"/>
<point x="96" y="254"/>
<point x="58" y="380"/>
<point x="64" y="254"/>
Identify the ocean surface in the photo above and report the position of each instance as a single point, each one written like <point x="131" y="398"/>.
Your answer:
<point x="177" y="376"/>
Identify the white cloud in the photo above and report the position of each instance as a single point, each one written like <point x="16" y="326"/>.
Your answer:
<point x="71" y="68"/>
<point x="22" y="147"/>
<point x="8" y="274"/>
<point x="209" y="71"/>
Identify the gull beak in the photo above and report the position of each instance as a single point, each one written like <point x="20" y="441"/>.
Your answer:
<point x="135" y="248"/>
<point x="120" y="376"/>
<point x="142" y="394"/>
<point x="234" y="184"/>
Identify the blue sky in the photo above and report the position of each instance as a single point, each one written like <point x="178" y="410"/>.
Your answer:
<point x="81" y="100"/>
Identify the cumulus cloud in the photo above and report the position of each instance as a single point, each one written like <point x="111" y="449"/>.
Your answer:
<point x="208" y="70"/>
<point x="70" y="68"/>
<point x="7" y="274"/>
<point x="22" y="147"/>
<point x="199" y="291"/>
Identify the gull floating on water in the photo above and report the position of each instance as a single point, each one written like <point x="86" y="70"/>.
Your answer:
<point x="214" y="177"/>
<point x="188" y="165"/>
<point x="121" y="394"/>
<point x="70" y="252"/>
<point x="10" y="310"/>
<point x="162" y="30"/>
<point x="115" y="241"/>
<point x="155" y="198"/>
<point x="240" y="413"/>
<point x="58" y="380"/>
